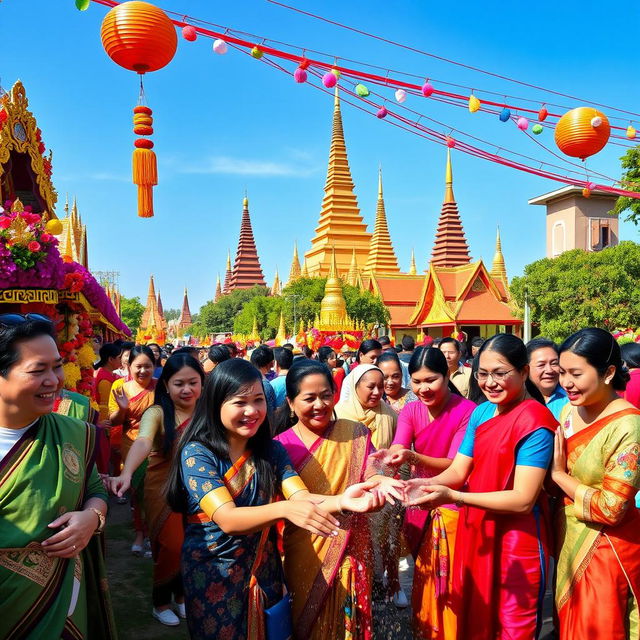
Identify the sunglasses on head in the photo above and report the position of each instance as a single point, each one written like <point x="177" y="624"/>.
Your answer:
<point x="13" y="319"/>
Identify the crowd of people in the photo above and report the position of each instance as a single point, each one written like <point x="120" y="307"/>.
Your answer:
<point x="276" y="490"/>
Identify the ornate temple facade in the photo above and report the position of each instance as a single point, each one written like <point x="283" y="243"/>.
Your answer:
<point x="73" y="239"/>
<point x="153" y="326"/>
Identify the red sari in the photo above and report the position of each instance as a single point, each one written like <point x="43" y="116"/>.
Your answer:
<point x="500" y="559"/>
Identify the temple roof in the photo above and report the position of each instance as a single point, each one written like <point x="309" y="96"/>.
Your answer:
<point x="151" y="317"/>
<point x="185" y="313"/>
<point x="467" y="294"/>
<point x="450" y="248"/>
<point x="340" y="227"/>
<point x="247" y="271"/>
<point x="382" y="257"/>
<point x="399" y="294"/>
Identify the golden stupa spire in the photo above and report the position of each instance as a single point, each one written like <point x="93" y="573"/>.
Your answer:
<point x="448" y="180"/>
<point x="304" y="272"/>
<point x="382" y="257"/>
<point x="412" y="268"/>
<point x="254" y="331"/>
<point x="352" y="275"/>
<point x="218" y="294"/>
<point x="340" y="226"/>
<point x="294" y="272"/>
<point x="151" y="316"/>
<point x="281" y="336"/>
<point x="276" y="289"/>
<point x="228" y="259"/>
<point x="498" y="268"/>
<point x="68" y="242"/>
<point x="333" y="308"/>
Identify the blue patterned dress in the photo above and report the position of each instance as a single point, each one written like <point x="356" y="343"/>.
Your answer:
<point x="216" y="567"/>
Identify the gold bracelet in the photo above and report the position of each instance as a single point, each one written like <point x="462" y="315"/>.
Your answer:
<point x="101" y="519"/>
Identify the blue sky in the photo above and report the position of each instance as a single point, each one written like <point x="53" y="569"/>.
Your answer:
<point x="224" y="124"/>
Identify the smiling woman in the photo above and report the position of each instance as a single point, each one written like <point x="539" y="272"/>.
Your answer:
<point x="48" y="561"/>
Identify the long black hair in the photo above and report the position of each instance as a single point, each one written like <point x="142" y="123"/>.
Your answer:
<point x="174" y="363"/>
<point x="630" y="353"/>
<point x="601" y="350"/>
<point x="229" y="378"/>
<point x="300" y="369"/>
<point x="434" y="360"/>
<point x="513" y="350"/>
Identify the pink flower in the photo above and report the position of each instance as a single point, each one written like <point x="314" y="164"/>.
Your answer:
<point x="33" y="246"/>
<point x="5" y="222"/>
<point x="46" y="237"/>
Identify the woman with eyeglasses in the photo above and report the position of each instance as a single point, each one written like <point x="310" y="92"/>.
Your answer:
<point x="52" y="501"/>
<point x="596" y="465"/>
<point x="501" y="552"/>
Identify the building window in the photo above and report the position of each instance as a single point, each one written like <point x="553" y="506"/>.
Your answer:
<point x="600" y="236"/>
<point x="557" y="239"/>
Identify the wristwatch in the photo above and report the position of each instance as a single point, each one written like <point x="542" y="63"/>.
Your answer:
<point x="101" y="519"/>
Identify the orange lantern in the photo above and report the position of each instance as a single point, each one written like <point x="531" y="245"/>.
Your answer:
<point x="140" y="37"/>
<point x="582" y="132"/>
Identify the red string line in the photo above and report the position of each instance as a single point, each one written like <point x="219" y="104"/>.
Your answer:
<point x="434" y="135"/>
<point x="373" y="78"/>
<point x="443" y="59"/>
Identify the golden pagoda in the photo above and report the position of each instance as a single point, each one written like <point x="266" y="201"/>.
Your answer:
<point x="340" y="228"/>
<point x="498" y="267"/>
<point x="281" y="336"/>
<point x="382" y="257"/>
<point x="227" y="276"/>
<point x="185" y="320"/>
<point x="72" y="241"/>
<point x="218" y="293"/>
<point x="304" y="272"/>
<point x="294" y="272"/>
<point x="276" y="289"/>
<point x="152" y="325"/>
<point x="333" y="308"/>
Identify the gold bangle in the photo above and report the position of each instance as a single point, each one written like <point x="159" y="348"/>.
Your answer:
<point x="101" y="519"/>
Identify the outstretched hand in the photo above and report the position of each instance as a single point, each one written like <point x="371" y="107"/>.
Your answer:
<point x="362" y="498"/>
<point x="391" y="488"/>
<point x="380" y="462"/>
<point x="311" y="517"/>
<point x="421" y="492"/>
<point x="121" y="398"/>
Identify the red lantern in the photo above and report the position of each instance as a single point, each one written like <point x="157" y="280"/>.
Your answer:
<point x="582" y="132"/>
<point x="140" y="37"/>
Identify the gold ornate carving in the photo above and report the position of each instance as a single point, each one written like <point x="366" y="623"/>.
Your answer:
<point x="28" y="296"/>
<point x="19" y="134"/>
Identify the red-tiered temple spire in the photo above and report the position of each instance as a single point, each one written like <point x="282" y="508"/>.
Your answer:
<point x="450" y="248"/>
<point x="185" y="320"/>
<point x="247" y="271"/>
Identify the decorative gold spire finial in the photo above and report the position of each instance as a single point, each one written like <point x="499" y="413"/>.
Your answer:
<point x="448" y="191"/>
<point x="413" y="271"/>
<point x="380" y="181"/>
<point x="294" y="271"/>
<point x="336" y="98"/>
<point x="498" y="267"/>
<point x="228" y="260"/>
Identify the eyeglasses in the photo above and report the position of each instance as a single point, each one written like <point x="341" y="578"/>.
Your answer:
<point x="496" y="376"/>
<point x="14" y="319"/>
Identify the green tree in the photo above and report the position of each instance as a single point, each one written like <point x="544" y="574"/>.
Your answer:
<point x="582" y="289"/>
<point x="131" y="310"/>
<point x="630" y="161"/>
<point x="266" y="310"/>
<point x="218" y="317"/>
<point x="171" y="314"/>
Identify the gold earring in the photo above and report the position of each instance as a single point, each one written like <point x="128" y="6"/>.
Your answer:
<point x="292" y="415"/>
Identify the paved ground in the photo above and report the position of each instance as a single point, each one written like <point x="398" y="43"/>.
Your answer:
<point x="130" y="582"/>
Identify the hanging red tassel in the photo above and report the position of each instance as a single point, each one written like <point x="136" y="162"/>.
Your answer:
<point x="145" y="168"/>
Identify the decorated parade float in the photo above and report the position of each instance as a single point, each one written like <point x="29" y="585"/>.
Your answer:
<point x="43" y="259"/>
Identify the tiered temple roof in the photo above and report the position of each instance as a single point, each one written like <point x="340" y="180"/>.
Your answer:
<point x="227" y="275"/>
<point x="247" y="271"/>
<point x="340" y="228"/>
<point x="185" y="319"/>
<point x="382" y="257"/>
<point x="450" y="248"/>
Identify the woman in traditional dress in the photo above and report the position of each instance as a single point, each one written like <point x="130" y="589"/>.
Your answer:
<point x="110" y="360"/>
<point x="126" y="405"/>
<point x="176" y="394"/>
<point x="428" y="436"/>
<point x="596" y="466"/>
<point x="51" y="498"/>
<point x="328" y="356"/>
<point x="500" y="558"/>
<point x="224" y="479"/>
<point x="330" y="578"/>
<point x="395" y="395"/>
